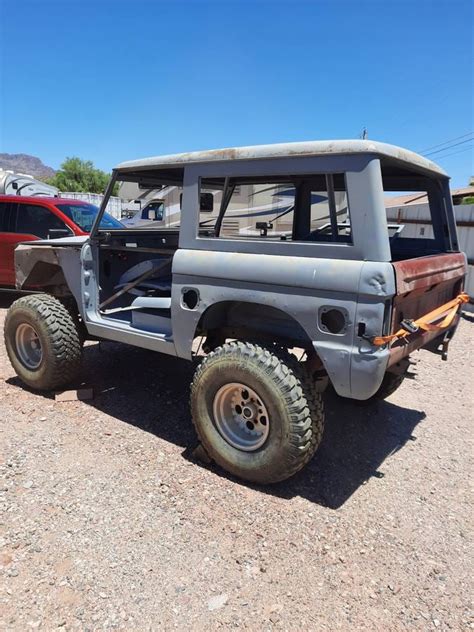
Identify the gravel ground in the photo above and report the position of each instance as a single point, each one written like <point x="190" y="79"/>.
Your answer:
<point x="109" y="523"/>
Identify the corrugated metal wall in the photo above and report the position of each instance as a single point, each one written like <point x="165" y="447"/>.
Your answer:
<point x="418" y="224"/>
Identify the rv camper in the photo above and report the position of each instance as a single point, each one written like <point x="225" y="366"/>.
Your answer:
<point x="12" y="183"/>
<point x="253" y="209"/>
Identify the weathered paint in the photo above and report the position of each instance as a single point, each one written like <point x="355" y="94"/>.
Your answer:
<point x="424" y="272"/>
<point x="282" y="150"/>
<point x="51" y="265"/>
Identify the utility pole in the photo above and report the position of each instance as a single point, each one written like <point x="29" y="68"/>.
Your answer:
<point x="365" y="134"/>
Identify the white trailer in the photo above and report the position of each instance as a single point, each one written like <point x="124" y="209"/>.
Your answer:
<point x="252" y="208"/>
<point x="12" y="183"/>
<point x="114" y="206"/>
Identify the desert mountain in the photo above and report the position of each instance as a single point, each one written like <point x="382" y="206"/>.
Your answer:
<point x="24" y="163"/>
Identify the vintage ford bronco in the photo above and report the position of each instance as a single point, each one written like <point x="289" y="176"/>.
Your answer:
<point x="281" y="264"/>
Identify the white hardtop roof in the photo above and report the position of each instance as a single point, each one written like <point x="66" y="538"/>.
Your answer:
<point x="282" y="150"/>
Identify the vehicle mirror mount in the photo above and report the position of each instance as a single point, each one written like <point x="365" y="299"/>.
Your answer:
<point x="263" y="227"/>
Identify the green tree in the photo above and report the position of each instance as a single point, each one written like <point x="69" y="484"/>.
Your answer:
<point x="80" y="176"/>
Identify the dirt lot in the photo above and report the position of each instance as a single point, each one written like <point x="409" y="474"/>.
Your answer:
<point x="108" y="522"/>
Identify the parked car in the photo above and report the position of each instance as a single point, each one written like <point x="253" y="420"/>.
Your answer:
<point x="331" y="294"/>
<point x="32" y="218"/>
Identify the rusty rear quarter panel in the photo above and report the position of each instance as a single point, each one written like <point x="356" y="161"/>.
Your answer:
<point x="423" y="284"/>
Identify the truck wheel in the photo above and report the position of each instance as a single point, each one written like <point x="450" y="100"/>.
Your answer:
<point x="255" y="412"/>
<point x="42" y="342"/>
<point x="390" y="383"/>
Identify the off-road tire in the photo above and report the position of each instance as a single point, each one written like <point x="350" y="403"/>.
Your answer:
<point x="60" y="342"/>
<point x="72" y="308"/>
<point x="296" y="415"/>
<point x="390" y="383"/>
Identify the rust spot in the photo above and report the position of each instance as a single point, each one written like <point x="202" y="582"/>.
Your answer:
<point x="423" y="272"/>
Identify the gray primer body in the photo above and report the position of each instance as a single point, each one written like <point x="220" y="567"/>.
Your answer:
<point x="298" y="288"/>
<point x="295" y="279"/>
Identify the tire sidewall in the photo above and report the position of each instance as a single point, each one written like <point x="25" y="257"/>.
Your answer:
<point x="264" y="463"/>
<point x="39" y="377"/>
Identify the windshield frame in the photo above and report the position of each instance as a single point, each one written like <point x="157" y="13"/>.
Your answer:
<point x="103" y="207"/>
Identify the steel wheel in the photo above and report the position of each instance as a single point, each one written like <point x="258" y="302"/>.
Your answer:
<point x="241" y="417"/>
<point x="28" y="346"/>
<point x="284" y="410"/>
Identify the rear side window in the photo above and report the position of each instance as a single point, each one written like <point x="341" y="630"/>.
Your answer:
<point x="409" y="216"/>
<point x="32" y="219"/>
<point x="4" y="215"/>
<point x="303" y="208"/>
<point x="260" y="210"/>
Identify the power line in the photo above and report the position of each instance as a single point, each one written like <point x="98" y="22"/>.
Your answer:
<point x="468" y="140"/>
<point x="460" y="151"/>
<point x="421" y="151"/>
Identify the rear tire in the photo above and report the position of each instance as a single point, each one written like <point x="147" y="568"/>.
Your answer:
<point x="255" y="412"/>
<point x="42" y="342"/>
<point x="390" y="383"/>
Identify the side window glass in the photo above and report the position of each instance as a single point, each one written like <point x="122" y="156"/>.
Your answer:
<point x="4" y="215"/>
<point x="36" y="220"/>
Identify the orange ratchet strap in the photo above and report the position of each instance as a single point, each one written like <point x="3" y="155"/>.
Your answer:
<point x="425" y="322"/>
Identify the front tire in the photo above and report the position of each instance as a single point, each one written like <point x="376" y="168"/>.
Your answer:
<point x="42" y="342"/>
<point x="255" y="412"/>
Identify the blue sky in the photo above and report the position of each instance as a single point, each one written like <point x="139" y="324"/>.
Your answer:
<point x="115" y="80"/>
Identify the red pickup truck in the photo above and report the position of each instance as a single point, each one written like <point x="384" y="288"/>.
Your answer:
<point x="30" y="218"/>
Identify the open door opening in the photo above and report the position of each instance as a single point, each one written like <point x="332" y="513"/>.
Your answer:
<point x="134" y="266"/>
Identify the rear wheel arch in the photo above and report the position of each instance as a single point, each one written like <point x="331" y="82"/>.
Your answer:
<point x="261" y="324"/>
<point x="255" y="319"/>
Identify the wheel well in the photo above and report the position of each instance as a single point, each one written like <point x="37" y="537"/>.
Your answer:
<point x="241" y="319"/>
<point x="48" y="277"/>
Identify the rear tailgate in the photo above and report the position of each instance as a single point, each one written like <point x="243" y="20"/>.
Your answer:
<point x="424" y="284"/>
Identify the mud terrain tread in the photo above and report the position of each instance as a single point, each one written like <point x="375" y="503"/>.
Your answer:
<point x="63" y="339"/>
<point x="304" y="405"/>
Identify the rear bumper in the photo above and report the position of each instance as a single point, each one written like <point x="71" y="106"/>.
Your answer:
<point x="404" y="347"/>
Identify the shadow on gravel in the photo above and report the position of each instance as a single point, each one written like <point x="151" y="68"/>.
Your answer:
<point x="151" y="392"/>
<point x="469" y="316"/>
<point x="356" y="442"/>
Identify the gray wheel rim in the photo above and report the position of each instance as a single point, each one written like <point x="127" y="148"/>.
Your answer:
<point x="241" y="417"/>
<point x="28" y="346"/>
